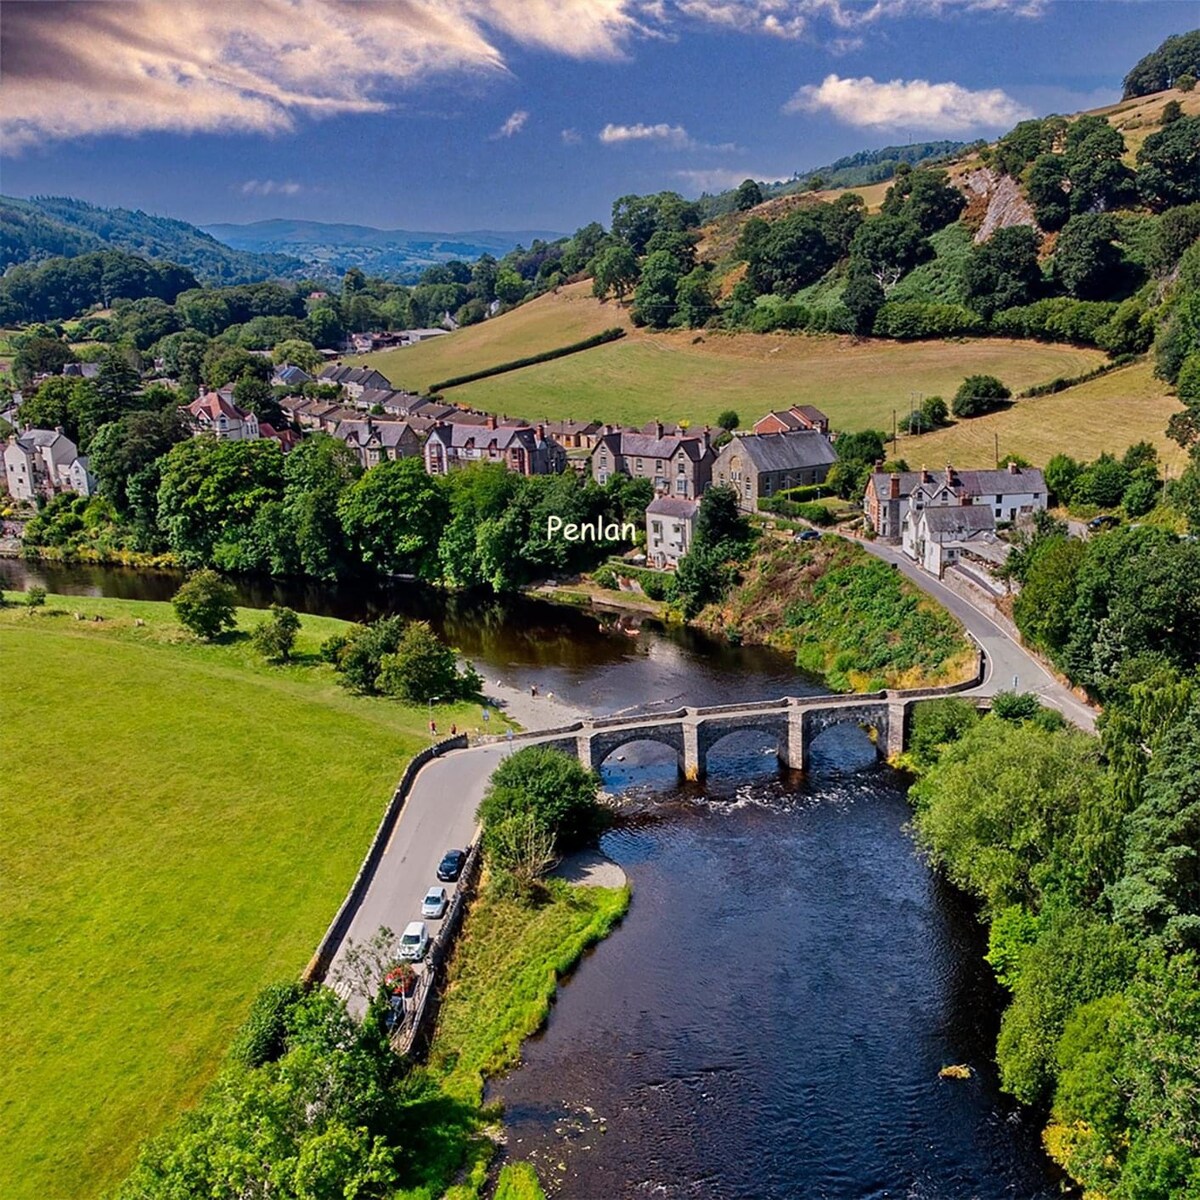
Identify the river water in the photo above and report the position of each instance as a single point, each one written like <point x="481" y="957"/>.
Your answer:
<point x="769" y="1020"/>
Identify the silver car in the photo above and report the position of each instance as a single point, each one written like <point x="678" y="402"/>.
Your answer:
<point x="434" y="904"/>
<point x="414" y="942"/>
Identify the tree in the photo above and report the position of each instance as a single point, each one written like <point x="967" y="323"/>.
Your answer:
<point x="213" y="494"/>
<point x="654" y="301"/>
<point x="394" y="515"/>
<point x="864" y="297"/>
<point x="748" y="195"/>
<point x="1186" y="82"/>
<point x="39" y="356"/>
<point x="926" y="197"/>
<point x="935" y="410"/>
<point x="728" y="420"/>
<point x="1043" y="607"/>
<point x="1165" y="66"/>
<point x="694" y="298"/>
<point x="978" y="394"/>
<point x="548" y="785"/>
<point x="1061" y="473"/>
<point x="1086" y="259"/>
<point x="122" y="448"/>
<point x="1102" y="483"/>
<point x="275" y="637"/>
<point x="887" y="248"/>
<point x="510" y="287"/>
<point x="423" y="668"/>
<point x="1003" y="272"/>
<point x="1047" y="190"/>
<point x="1172" y="112"/>
<point x="299" y="353"/>
<point x="206" y="604"/>
<point x="1168" y="165"/>
<point x="614" y="272"/>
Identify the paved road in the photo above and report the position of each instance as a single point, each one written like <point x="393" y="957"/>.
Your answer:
<point x="438" y="815"/>
<point x="1010" y="666"/>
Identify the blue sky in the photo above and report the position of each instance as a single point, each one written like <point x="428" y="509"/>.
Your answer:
<point x="507" y="114"/>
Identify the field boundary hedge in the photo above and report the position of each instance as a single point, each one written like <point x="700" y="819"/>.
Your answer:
<point x="597" y="339"/>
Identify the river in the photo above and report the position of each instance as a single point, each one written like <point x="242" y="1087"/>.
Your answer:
<point x="770" y="1019"/>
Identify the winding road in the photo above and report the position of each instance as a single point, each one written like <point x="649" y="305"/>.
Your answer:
<point x="1010" y="667"/>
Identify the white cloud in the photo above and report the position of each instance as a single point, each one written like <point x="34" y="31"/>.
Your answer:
<point x="133" y="66"/>
<point x="571" y="137"/>
<point x="270" y="187"/>
<point x="674" y="136"/>
<point x="908" y="104"/>
<point x="512" y="126"/>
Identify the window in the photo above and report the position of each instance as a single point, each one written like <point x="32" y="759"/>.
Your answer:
<point x="999" y="513"/>
<point x="660" y="466"/>
<point x="681" y="485"/>
<point x="681" y="466"/>
<point x="640" y="467"/>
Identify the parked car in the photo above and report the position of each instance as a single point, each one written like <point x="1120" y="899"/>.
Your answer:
<point x="434" y="904"/>
<point x="414" y="942"/>
<point x="1103" y="521"/>
<point x="450" y="868"/>
<point x="808" y="535"/>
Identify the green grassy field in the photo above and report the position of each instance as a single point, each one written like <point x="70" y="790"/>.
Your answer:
<point x="690" y="376"/>
<point x="181" y="822"/>
<point x="1109" y="413"/>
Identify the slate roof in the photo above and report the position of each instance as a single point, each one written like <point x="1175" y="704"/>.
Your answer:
<point x="366" y="377"/>
<point x="632" y="443"/>
<point x="214" y="405"/>
<point x="503" y="436"/>
<point x="958" y="518"/>
<point x="798" y="448"/>
<point x="972" y="483"/>
<point x="389" y="433"/>
<point x="670" y="506"/>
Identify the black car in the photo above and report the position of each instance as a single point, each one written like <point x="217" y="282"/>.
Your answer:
<point x="450" y="868"/>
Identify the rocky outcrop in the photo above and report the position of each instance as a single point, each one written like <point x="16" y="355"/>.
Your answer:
<point x="999" y="199"/>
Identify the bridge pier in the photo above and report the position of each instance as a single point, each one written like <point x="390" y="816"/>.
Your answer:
<point x="693" y="759"/>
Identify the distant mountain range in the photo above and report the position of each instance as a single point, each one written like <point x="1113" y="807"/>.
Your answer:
<point x="47" y="226"/>
<point x="330" y="249"/>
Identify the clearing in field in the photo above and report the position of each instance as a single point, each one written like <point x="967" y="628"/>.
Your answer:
<point x="181" y="822"/>
<point x="691" y="376"/>
<point x="1109" y="413"/>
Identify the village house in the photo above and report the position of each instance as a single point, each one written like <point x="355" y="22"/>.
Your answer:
<point x="522" y="448"/>
<point x="936" y="537"/>
<point x="81" y="370"/>
<point x="799" y="416"/>
<point x="757" y="465"/>
<point x="575" y="435"/>
<point x="215" y="414"/>
<point x="288" y="439"/>
<point x="355" y="380"/>
<point x="44" y="462"/>
<point x="287" y="375"/>
<point x="677" y="464"/>
<point x="1009" y="493"/>
<point x="376" y="441"/>
<point x="670" y="523"/>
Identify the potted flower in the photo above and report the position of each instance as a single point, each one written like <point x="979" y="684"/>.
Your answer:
<point x="401" y="981"/>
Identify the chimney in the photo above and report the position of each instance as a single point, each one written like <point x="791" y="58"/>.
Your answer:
<point x="1013" y="469"/>
<point x="541" y="433"/>
<point x="894" y="486"/>
<point x="967" y="500"/>
<point x="491" y="421"/>
<point x="924" y="475"/>
<point x="949" y="473"/>
<point x="658" y="429"/>
<point x="707" y="434"/>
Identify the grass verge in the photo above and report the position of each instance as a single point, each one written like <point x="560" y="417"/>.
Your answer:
<point x="180" y="821"/>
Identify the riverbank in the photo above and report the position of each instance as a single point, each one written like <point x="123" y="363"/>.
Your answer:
<point x="843" y="616"/>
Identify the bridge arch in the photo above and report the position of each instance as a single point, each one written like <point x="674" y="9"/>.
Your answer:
<point x="713" y="730"/>
<point x="872" y="717"/>
<point x="603" y="743"/>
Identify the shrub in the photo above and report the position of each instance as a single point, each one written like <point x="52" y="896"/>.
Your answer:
<point x="552" y="787"/>
<point x="35" y="597"/>
<point x="1015" y="706"/>
<point x="978" y="394"/>
<point x="275" y="637"/>
<point x="357" y="655"/>
<point x="906" y="320"/>
<point x="206" y="604"/>
<point x="424" y="668"/>
<point x="606" y="577"/>
<point x="263" y="1035"/>
<point x="937" y="723"/>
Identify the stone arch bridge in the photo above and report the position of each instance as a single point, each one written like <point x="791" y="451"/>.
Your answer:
<point x="793" y="721"/>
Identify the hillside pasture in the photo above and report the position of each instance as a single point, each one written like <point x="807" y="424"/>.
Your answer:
<point x="694" y="376"/>
<point x="1109" y="413"/>
<point x="181" y="823"/>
